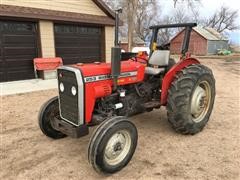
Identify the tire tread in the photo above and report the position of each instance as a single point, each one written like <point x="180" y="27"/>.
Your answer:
<point x="179" y="95"/>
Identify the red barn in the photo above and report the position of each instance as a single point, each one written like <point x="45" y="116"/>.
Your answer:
<point x="203" y="41"/>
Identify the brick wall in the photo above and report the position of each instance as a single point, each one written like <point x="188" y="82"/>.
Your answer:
<point x="197" y="45"/>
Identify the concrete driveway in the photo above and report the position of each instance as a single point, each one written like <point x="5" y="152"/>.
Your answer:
<point x="16" y="87"/>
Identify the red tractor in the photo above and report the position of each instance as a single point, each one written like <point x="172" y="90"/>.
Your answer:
<point x="108" y="93"/>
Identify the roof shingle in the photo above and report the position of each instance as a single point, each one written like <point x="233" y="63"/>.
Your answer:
<point x="210" y="33"/>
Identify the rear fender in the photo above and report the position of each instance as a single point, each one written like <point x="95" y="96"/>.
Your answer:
<point x="169" y="77"/>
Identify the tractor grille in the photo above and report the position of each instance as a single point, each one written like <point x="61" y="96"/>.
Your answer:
<point x="69" y="105"/>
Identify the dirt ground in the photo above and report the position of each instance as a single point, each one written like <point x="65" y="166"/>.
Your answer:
<point x="161" y="153"/>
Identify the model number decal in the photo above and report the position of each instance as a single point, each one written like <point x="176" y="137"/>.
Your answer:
<point x="108" y="76"/>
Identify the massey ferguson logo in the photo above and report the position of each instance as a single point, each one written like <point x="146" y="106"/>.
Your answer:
<point x="108" y="76"/>
<point x="90" y="79"/>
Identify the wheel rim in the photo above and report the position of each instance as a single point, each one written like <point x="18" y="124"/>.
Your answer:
<point x="117" y="147"/>
<point x="200" y="101"/>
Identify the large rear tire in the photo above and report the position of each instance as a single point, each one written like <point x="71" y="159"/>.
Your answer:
<point x="191" y="99"/>
<point x="47" y="113"/>
<point x="112" y="145"/>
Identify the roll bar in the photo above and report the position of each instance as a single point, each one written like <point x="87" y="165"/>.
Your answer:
<point x="173" y="25"/>
<point x="188" y="29"/>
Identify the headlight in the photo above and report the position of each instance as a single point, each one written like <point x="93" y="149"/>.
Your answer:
<point x="74" y="90"/>
<point x="61" y="87"/>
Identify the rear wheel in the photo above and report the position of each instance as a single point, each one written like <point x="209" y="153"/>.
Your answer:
<point x="190" y="99"/>
<point x="112" y="145"/>
<point x="47" y="113"/>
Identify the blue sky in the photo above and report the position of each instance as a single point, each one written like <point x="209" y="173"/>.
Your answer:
<point x="207" y="8"/>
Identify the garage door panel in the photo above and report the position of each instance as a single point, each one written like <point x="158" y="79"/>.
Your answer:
<point x="19" y="63"/>
<point x="77" y="40"/>
<point x="1" y="76"/>
<point x="76" y="43"/>
<point x="20" y="75"/>
<point x="77" y="50"/>
<point x="20" y="51"/>
<point x="75" y="29"/>
<point x="73" y="48"/>
<point x="18" y="27"/>
<point x="83" y="55"/>
<point x="19" y="40"/>
<point x="74" y="60"/>
<point x="18" y="47"/>
<point x="2" y="70"/>
<point x="1" y="66"/>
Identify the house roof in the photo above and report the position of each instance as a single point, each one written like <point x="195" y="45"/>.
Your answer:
<point x="136" y="40"/>
<point x="104" y="7"/>
<point x="216" y="34"/>
<point x="209" y="33"/>
<point x="107" y="10"/>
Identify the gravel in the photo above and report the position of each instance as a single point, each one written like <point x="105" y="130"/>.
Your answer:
<point x="161" y="153"/>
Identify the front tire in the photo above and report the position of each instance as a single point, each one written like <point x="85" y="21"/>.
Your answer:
<point x="112" y="145"/>
<point x="47" y="113"/>
<point x="191" y="99"/>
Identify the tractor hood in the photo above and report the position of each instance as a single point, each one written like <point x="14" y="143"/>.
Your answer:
<point x="95" y="69"/>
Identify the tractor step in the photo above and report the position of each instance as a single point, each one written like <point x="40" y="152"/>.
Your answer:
<point x="152" y="104"/>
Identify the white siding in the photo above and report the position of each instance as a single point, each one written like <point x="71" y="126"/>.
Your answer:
<point x="77" y="6"/>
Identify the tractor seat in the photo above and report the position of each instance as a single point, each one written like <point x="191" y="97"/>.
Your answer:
<point x="158" y="62"/>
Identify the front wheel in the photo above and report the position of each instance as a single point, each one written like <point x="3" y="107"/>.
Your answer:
<point x="112" y="145"/>
<point x="190" y="99"/>
<point x="47" y="113"/>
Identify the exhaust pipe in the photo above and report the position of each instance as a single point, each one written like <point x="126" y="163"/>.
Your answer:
<point x="116" y="53"/>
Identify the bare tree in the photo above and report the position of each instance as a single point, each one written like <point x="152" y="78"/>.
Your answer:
<point x="140" y="15"/>
<point x="192" y="7"/>
<point x="137" y="16"/>
<point x="147" y="13"/>
<point x="111" y="3"/>
<point x="116" y="4"/>
<point x="180" y="16"/>
<point x="127" y="17"/>
<point x="223" y="19"/>
<point x="191" y="3"/>
<point x="164" y="35"/>
<point x="184" y="11"/>
<point x="131" y="6"/>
